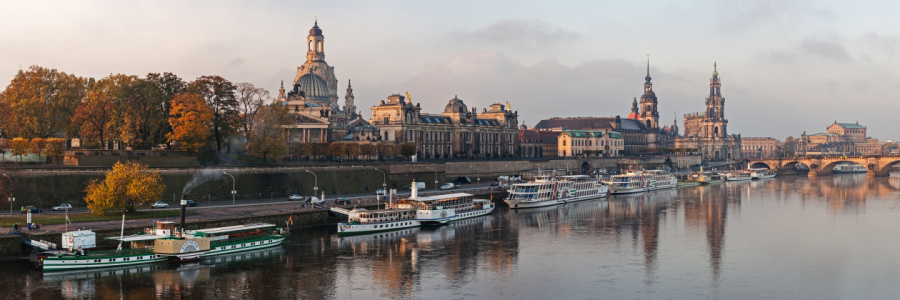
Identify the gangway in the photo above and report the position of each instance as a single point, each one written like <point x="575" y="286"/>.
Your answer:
<point x="340" y="210"/>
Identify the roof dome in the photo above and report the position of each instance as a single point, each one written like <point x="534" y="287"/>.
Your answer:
<point x="315" y="31"/>
<point x="313" y="87"/>
<point x="455" y="106"/>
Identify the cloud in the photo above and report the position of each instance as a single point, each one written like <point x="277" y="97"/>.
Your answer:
<point x="744" y="14"/>
<point x="236" y="62"/>
<point x="522" y="33"/>
<point x="825" y="49"/>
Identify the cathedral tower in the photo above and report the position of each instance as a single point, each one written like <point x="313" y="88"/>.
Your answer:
<point x="349" y="107"/>
<point x="649" y="115"/>
<point x="315" y="44"/>
<point x="715" y="107"/>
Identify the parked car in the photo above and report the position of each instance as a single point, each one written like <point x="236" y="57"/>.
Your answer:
<point x="190" y="203"/>
<point x="447" y="186"/>
<point x="160" y="204"/>
<point x="316" y="200"/>
<point x="380" y="192"/>
<point x="342" y="201"/>
<point x="495" y="183"/>
<point x="64" y="206"/>
<point x="295" y="197"/>
<point x="31" y="209"/>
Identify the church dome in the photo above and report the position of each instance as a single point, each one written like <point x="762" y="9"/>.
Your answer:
<point x="315" y="31"/>
<point x="455" y="106"/>
<point x="313" y="87"/>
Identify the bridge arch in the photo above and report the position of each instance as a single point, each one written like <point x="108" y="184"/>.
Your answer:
<point x="761" y="164"/>
<point x="886" y="167"/>
<point x="585" y="167"/>
<point x="828" y="167"/>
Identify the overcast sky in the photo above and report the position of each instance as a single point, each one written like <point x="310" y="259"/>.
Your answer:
<point x="786" y="66"/>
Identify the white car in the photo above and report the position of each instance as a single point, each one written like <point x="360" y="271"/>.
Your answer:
<point x="64" y="206"/>
<point x="159" y="204"/>
<point x="295" y="197"/>
<point x="380" y="192"/>
<point x="447" y="186"/>
<point x="316" y="200"/>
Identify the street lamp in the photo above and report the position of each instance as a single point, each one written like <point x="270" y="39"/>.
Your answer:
<point x="384" y="187"/>
<point x="316" y="186"/>
<point x="435" y="178"/>
<point x="477" y="179"/>
<point x="233" y="191"/>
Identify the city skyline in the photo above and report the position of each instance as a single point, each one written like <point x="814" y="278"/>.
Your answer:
<point x="786" y="67"/>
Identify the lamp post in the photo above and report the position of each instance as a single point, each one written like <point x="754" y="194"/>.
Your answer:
<point x="384" y="186"/>
<point x="233" y="191"/>
<point x="435" y="178"/>
<point x="316" y="185"/>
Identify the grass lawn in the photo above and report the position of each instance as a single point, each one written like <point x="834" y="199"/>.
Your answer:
<point x="87" y="217"/>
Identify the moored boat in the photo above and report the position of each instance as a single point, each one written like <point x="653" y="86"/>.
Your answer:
<point x="711" y="178"/>
<point x="692" y="179"/>
<point x="361" y="220"/>
<point x="641" y="181"/>
<point x="237" y="238"/>
<point x="761" y="173"/>
<point x="737" y="176"/>
<point x="548" y="190"/>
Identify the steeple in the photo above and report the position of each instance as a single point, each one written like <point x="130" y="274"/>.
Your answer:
<point x="649" y="114"/>
<point x="349" y="107"/>
<point x="647" y="78"/>
<point x="315" y="50"/>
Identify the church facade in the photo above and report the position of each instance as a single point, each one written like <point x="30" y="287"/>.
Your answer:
<point x="708" y="131"/>
<point x="313" y="101"/>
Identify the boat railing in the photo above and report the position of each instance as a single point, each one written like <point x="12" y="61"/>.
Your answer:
<point x="114" y="252"/>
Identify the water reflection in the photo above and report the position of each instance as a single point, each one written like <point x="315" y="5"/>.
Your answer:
<point x="693" y="242"/>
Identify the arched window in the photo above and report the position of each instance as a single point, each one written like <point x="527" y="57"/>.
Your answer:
<point x="716" y="130"/>
<point x="319" y="46"/>
<point x="310" y="46"/>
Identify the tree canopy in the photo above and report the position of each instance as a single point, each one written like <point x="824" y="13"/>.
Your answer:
<point x="219" y="96"/>
<point x="40" y="102"/>
<point x="190" y="119"/>
<point x="126" y="187"/>
<point x="266" y="139"/>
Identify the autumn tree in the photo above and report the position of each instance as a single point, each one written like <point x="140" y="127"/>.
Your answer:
<point x="190" y="118"/>
<point x="40" y="102"/>
<point x="19" y="147"/>
<point x="266" y="139"/>
<point x="37" y="146"/>
<point x="335" y="150"/>
<point x="4" y="148"/>
<point x="142" y="120"/>
<point x="219" y="96"/>
<point x="251" y="99"/>
<point x="124" y="188"/>
<point x="408" y="149"/>
<point x="351" y="150"/>
<point x="367" y="150"/>
<point x="166" y="85"/>
<point x="56" y="147"/>
<point x="93" y="118"/>
<point x="384" y="150"/>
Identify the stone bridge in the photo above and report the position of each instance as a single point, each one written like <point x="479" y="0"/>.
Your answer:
<point x="877" y="165"/>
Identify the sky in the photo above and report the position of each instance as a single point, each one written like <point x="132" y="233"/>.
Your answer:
<point x="787" y="66"/>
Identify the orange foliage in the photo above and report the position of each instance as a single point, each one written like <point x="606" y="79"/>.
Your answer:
<point x="191" y="119"/>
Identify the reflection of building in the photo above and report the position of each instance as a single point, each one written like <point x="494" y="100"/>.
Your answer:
<point x="457" y="132"/>
<point x="841" y="139"/>
<point x="313" y="99"/>
<point x="590" y="143"/>
<point x="759" y="147"/>
<point x="707" y="131"/>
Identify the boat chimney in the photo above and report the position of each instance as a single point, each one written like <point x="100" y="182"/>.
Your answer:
<point x="183" y="208"/>
<point x="414" y="190"/>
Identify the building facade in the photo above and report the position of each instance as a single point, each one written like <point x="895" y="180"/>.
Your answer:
<point x="458" y="132"/>
<point x="590" y="143"/>
<point x="529" y="142"/>
<point x="840" y="139"/>
<point x="759" y="147"/>
<point x="313" y="100"/>
<point x="708" y="131"/>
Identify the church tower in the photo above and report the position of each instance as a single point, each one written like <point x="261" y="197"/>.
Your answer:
<point x="315" y="44"/>
<point x="349" y="107"/>
<point x="715" y="107"/>
<point x="649" y="115"/>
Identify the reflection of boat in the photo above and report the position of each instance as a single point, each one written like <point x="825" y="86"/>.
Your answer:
<point x="641" y="181"/>
<point x="761" y="173"/>
<point x="548" y="190"/>
<point x="395" y="235"/>
<point x="848" y="168"/>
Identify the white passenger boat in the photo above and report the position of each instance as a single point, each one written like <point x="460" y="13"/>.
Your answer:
<point x="761" y="173"/>
<point x="548" y="190"/>
<point x="737" y="176"/>
<point x="848" y="168"/>
<point x="361" y="220"/>
<point x="237" y="238"/>
<point x="440" y="209"/>
<point x="641" y="181"/>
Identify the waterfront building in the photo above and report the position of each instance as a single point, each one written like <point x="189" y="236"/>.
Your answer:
<point x="458" y="132"/>
<point x="590" y="143"/>
<point x="707" y="131"/>
<point x="313" y="99"/>
<point x="759" y="147"/>
<point x="529" y="142"/>
<point x="840" y="139"/>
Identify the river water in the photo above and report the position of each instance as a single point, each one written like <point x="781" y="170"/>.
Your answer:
<point x="789" y="237"/>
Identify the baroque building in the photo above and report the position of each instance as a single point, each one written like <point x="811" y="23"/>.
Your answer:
<point x="457" y="132"/>
<point x="590" y="143"/>
<point x="313" y="101"/>
<point x="840" y="139"/>
<point x="707" y="131"/>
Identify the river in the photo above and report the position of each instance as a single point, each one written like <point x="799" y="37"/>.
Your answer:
<point x="788" y="237"/>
